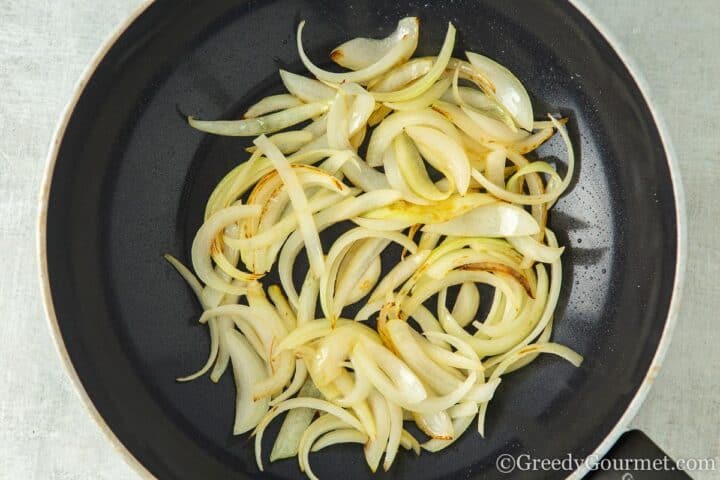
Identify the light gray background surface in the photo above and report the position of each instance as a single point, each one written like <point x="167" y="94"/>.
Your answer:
<point x="45" y="432"/>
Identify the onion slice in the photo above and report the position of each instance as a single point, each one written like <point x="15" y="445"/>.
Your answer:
<point x="402" y="50"/>
<point x="299" y="402"/>
<point x="507" y="89"/>
<point x="418" y="87"/>
<point x="444" y="153"/>
<point x="361" y="52"/>
<point x="299" y="202"/>
<point x="251" y="127"/>
<point x="248" y="369"/>
<point x="494" y="220"/>
<point x="306" y="89"/>
<point x="270" y="104"/>
<point x="204" y="244"/>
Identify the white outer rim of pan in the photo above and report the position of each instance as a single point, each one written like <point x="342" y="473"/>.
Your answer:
<point x="604" y="446"/>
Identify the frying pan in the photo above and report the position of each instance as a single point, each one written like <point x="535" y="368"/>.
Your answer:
<point x="128" y="179"/>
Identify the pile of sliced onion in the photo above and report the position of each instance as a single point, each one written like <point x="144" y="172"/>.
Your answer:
<point x="456" y="191"/>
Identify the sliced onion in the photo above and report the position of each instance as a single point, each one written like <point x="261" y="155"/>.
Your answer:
<point x="366" y="282"/>
<point x="402" y="50"/>
<point x="250" y="325"/>
<point x="408" y="442"/>
<point x="488" y="132"/>
<point x="475" y="226"/>
<point x="212" y="356"/>
<point x="362" y="52"/>
<point x="532" y="142"/>
<point x="270" y="104"/>
<point x="426" y="289"/>
<point x="445" y="357"/>
<point x="416" y="88"/>
<point x="402" y="75"/>
<point x="248" y="369"/>
<point x="305" y="333"/>
<point x="223" y="356"/>
<point x="437" y="213"/>
<point x="388" y="374"/>
<point x="439" y="403"/>
<point x="307" y="299"/>
<point x="337" y="253"/>
<point x="344" y="210"/>
<point x="361" y="108"/>
<point x="560" y="350"/>
<point x="360" y="174"/>
<point x="495" y="167"/>
<point x="285" y="226"/>
<point x="399" y="274"/>
<point x="466" y="304"/>
<point x="300" y="402"/>
<point x="306" y="89"/>
<point x="495" y="220"/>
<point x="376" y="446"/>
<point x="283" y="370"/>
<point x="412" y="168"/>
<point x="395" y="177"/>
<point x="299" y="202"/>
<point x="483" y="393"/>
<point x="427" y="98"/>
<point x="507" y="89"/>
<point x="460" y="424"/>
<point x="478" y="100"/>
<point x="358" y="272"/>
<point x="335" y="348"/>
<point x="338" y="128"/>
<point x="336" y="437"/>
<point x="317" y="127"/>
<point x="543" y="338"/>
<point x="395" y="415"/>
<point x="289" y="142"/>
<point x="321" y="426"/>
<point x="205" y="240"/>
<point x="494" y="129"/>
<point x="299" y="379"/>
<point x="463" y="409"/>
<point x="296" y="422"/>
<point x="188" y="276"/>
<point x="394" y="124"/>
<point x="444" y="153"/>
<point x="427" y="322"/>
<point x="378" y="115"/>
<point x="436" y="425"/>
<point x="361" y="390"/>
<point x="407" y="343"/>
<point x="251" y="127"/>
<point x="535" y="250"/>
<point x="284" y="309"/>
<point x="362" y="409"/>
<point x="534" y="199"/>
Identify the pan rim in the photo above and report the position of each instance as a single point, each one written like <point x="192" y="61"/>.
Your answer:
<point x="622" y="423"/>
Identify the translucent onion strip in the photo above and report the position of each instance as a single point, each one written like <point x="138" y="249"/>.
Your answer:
<point x="418" y="87"/>
<point x="299" y="202"/>
<point x="251" y="127"/>
<point x="362" y="52"/>
<point x="204" y="244"/>
<point x="271" y="104"/>
<point x="402" y="50"/>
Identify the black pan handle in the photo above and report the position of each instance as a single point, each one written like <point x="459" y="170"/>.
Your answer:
<point x="638" y="458"/>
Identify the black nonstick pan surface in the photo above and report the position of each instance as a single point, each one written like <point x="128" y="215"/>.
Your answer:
<point x="128" y="181"/>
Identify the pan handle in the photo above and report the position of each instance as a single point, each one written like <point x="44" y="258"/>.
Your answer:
<point x="635" y="450"/>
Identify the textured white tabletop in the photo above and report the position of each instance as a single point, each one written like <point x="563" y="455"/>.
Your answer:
<point x="45" y="432"/>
